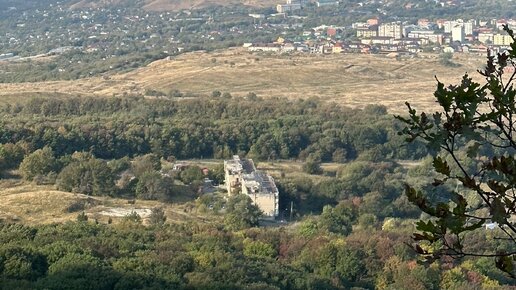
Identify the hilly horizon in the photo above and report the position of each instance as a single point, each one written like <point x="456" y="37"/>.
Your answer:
<point x="167" y="5"/>
<point x="148" y="5"/>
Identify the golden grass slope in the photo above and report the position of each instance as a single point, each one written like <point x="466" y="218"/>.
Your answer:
<point x="33" y="204"/>
<point x="348" y="79"/>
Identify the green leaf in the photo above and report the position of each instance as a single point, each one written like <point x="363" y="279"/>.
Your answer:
<point x="506" y="264"/>
<point x="474" y="226"/>
<point x="461" y="202"/>
<point x="442" y="210"/>
<point x="437" y="182"/>
<point x="442" y="96"/>
<point x="497" y="187"/>
<point x="472" y="150"/>
<point x="441" y="166"/>
<point x="417" y="198"/>
<point x="498" y="213"/>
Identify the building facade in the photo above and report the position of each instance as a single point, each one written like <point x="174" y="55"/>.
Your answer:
<point x="502" y="39"/>
<point x="241" y="177"/>
<point x="458" y="33"/>
<point x="393" y="29"/>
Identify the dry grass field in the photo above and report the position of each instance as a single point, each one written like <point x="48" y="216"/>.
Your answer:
<point x="347" y="79"/>
<point x="37" y="204"/>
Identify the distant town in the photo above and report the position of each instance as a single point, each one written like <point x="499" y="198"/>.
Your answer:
<point x="397" y="38"/>
<point x="85" y="41"/>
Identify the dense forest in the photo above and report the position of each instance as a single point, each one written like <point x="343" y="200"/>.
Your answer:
<point x="206" y="127"/>
<point x="83" y="255"/>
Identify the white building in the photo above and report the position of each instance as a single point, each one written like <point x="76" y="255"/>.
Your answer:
<point x="265" y="47"/>
<point x="458" y="33"/>
<point x="282" y="8"/>
<point x="502" y="39"/>
<point x="323" y="3"/>
<point x="448" y="25"/>
<point x="429" y="35"/>
<point x="486" y="37"/>
<point x="241" y="177"/>
<point x="468" y="27"/>
<point x="393" y="29"/>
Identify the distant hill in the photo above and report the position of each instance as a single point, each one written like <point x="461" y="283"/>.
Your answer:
<point x="79" y="4"/>
<point x="353" y="80"/>
<point x="9" y="5"/>
<point x="168" y="5"/>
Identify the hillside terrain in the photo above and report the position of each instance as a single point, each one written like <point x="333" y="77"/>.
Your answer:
<point x="350" y="80"/>
<point x="168" y="5"/>
<point x="33" y="205"/>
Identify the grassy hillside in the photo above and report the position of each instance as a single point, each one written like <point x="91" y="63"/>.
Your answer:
<point x="38" y="204"/>
<point x="351" y="80"/>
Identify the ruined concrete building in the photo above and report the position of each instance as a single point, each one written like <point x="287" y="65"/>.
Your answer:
<point x="241" y="177"/>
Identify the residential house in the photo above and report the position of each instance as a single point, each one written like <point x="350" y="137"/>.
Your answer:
<point x="331" y="31"/>
<point x="265" y="47"/>
<point x="337" y="48"/>
<point x="324" y="3"/>
<point x="423" y="22"/>
<point x="288" y="47"/>
<point x="373" y="21"/>
<point x="377" y="40"/>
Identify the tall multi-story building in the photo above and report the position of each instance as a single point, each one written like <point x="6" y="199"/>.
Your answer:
<point x="468" y="27"/>
<point x="448" y="26"/>
<point x="393" y="29"/>
<point x="458" y="33"/>
<point x="241" y="177"/>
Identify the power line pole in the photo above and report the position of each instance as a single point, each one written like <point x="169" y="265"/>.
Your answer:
<point x="291" y="209"/>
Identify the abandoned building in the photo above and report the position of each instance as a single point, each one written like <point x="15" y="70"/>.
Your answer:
<point x="241" y="177"/>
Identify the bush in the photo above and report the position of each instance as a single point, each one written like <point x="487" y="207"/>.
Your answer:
<point x="157" y="216"/>
<point x="39" y="163"/>
<point x="151" y="185"/>
<point x="82" y="217"/>
<point x="312" y="167"/>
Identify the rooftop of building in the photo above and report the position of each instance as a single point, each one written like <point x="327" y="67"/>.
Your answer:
<point x="237" y="165"/>
<point x="260" y="182"/>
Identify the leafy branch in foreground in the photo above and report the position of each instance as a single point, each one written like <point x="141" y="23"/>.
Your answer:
<point x="474" y="137"/>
